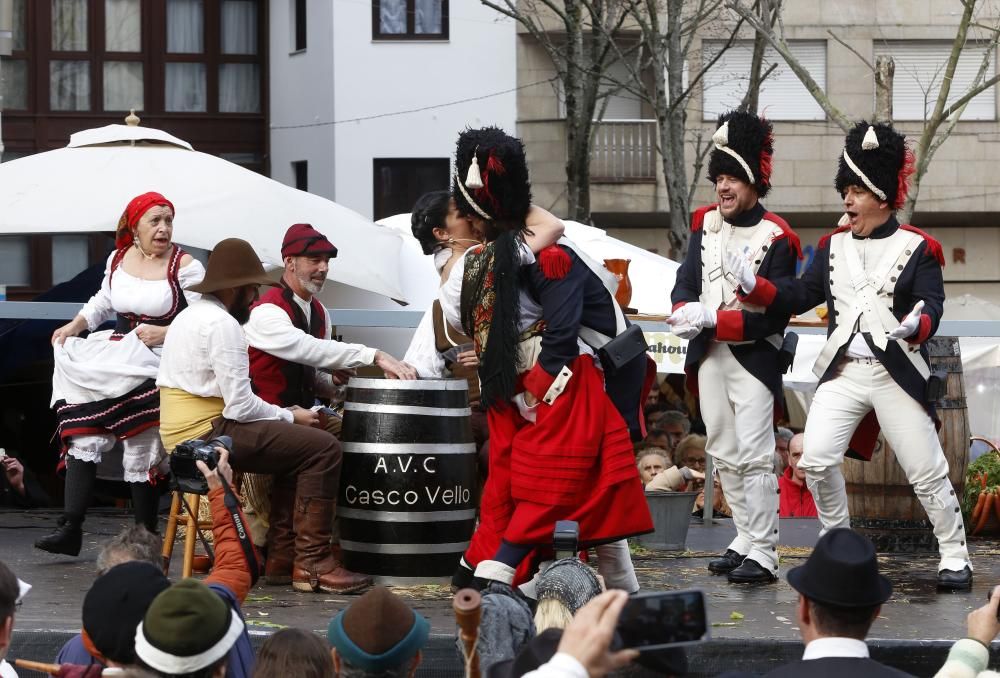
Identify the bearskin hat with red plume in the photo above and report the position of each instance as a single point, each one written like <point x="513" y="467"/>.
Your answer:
<point x="749" y="137"/>
<point x="883" y="158"/>
<point x="503" y="190"/>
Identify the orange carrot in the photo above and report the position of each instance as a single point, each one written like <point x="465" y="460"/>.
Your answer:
<point x="996" y="501"/>
<point x="979" y="507"/>
<point x="987" y="507"/>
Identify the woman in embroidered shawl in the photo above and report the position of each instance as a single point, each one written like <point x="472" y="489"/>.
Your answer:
<point x="559" y="448"/>
<point x="103" y="386"/>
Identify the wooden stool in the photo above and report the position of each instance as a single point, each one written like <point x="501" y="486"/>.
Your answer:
<point x="179" y="512"/>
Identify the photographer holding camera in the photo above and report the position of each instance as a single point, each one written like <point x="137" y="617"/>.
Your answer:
<point x="205" y="393"/>
<point x="969" y="656"/>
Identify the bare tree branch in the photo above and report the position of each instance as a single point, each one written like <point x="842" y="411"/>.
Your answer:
<point x="853" y="51"/>
<point x="782" y="48"/>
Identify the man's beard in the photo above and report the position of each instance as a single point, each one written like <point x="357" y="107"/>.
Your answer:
<point x="241" y="308"/>
<point x="310" y="285"/>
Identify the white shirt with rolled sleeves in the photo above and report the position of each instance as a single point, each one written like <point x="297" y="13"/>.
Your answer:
<point x="205" y="354"/>
<point x="271" y="330"/>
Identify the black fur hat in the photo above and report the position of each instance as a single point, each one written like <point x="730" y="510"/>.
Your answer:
<point x="880" y="152"/>
<point x="752" y="138"/>
<point x="498" y="187"/>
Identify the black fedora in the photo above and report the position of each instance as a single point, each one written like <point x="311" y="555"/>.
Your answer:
<point x="842" y="571"/>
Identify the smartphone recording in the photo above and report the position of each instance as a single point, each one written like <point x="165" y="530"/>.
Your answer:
<point x="652" y="621"/>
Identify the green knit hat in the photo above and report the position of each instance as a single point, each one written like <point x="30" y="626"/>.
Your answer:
<point x="187" y="628"/>
<point x="378" y="631"/>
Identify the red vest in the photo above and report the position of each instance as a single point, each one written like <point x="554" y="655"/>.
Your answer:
<point x="278" y="381"/>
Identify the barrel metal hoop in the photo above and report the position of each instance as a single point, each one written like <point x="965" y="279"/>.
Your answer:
<point x="406" y="516"/>
<point x="409" y="409"/>
<point x="404" y="549"/>
<point x="408" y="448"/>
<point x="410" y="384"/>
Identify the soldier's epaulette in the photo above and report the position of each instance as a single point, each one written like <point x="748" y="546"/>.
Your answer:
<point x="825" y="240"/>
<point x="934" y="248"/>
<point x="698" y="216"/>
<point x="794" y="244"/>
<point x="554" y="262"/>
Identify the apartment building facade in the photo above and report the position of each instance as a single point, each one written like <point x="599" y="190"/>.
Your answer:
<point x="959" y="200"/>
<point x="194" y="68"/>
<point x="368" y="96"/>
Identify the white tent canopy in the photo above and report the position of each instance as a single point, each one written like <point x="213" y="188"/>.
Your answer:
<point x="85" y="186"/>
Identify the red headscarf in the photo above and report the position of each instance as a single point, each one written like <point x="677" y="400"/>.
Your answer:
<point x="138" y="206"/>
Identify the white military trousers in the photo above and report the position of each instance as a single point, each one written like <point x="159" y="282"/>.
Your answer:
<point x="738" y="411"/>
<point x="837" y="408"/>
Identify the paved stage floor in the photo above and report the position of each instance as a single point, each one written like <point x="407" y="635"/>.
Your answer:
<point x="753" y="627"/>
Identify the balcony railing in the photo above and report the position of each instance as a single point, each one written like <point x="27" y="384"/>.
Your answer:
<point x="624" y="150"/>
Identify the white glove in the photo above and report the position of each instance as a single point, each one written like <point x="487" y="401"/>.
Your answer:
<point x="529" y="413"/>
<point x="695" y="314"/>
<point x="910" y="324"/>
<point x="685" y="332"/>
<point x="739" y="267"/>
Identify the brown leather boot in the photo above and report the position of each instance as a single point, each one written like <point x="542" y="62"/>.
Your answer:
<point x="315" y="568"/>
<point x="280" y="537"/>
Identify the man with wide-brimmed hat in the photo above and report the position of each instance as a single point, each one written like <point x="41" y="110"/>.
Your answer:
<point x="205" y="392"/>
<point x="882" y="285"/>
<point x="841" y="593"/>
<point x="733" y="357"/>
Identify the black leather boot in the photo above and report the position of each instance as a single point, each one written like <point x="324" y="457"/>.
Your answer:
<point x="751" y="572"/>
<point x="955" y="580"/>
<point x="66" y="540"/>
<point x="729" y="561"/>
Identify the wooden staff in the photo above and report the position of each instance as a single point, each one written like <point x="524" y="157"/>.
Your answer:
<point x="51" y="669"/>
<point x="467" y="606"/>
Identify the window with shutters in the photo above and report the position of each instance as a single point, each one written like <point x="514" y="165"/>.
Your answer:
<point x="782" y="95"/>
<point x="919" y="72"/>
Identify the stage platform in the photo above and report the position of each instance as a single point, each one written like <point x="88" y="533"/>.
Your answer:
<point x="753" y="628"/>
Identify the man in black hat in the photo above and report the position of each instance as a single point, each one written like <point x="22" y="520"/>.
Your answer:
<point x="882" y="285"/>
<point x="732" y="361"/>
<point x="840" y="595"/>
<point x="205" y="392"/>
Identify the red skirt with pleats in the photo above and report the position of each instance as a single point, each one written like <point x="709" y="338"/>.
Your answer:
<point x="575" y="463"/>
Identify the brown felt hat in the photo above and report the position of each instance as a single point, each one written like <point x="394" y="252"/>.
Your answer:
<point x="378" y="631"/>
<point x="232" y="263"/>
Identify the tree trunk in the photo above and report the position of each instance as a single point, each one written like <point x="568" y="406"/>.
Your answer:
<point x="885" y="67"/>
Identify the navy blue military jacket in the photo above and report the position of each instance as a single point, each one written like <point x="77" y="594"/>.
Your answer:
<point x="920" y="279"/>
<point x="579" y="298"/>
<point x="759" y="358"/>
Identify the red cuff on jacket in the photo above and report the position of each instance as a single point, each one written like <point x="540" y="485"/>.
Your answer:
<point x="729" y="325"/>
<point x="677" y="306"/>
<point x="537" y="381"/>
<point x="763" y="293"/>
<point x="923" y="330"/>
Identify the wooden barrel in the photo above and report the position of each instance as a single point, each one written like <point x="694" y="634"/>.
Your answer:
<point x="880" y="499"/>
<point x="409" y="484"/>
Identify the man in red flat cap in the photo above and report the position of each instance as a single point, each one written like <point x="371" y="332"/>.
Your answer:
<point x="292" y="356"/>
<point x="294" y="359"/>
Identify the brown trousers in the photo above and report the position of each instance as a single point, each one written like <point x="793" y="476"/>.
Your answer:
<point x="308" y="458"/>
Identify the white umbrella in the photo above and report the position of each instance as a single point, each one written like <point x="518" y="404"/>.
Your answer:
<point x="85" y="187"/>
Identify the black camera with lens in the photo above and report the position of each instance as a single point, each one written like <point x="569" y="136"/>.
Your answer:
<point x="184" y="473"/>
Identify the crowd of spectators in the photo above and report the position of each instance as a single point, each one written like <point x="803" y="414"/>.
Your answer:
<point x="138" y="623"/>
<point x="671" y="458"/>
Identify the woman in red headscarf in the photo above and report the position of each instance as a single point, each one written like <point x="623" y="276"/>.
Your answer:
<point x="103" y="387"/>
